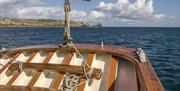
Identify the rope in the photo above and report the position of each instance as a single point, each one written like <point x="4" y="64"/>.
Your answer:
<point x="20" y="65"/>
<point x="84" y="69"/>
<point x="88" y="76"/>
<point x="80" y="54"/>
<point x="82" y="83"/>
<point x="70" y="81"/>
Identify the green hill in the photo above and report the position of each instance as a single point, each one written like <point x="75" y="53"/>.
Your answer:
<point x="12" y="22"/>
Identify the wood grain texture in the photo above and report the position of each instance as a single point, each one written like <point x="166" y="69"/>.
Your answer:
<point x="126" y="78"/>
<point x="149" y="77"/>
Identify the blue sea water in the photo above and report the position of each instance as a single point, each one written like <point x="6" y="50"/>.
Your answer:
<point x="162" y="45"/>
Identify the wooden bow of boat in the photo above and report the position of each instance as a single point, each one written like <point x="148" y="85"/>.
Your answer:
<point x="44" y="69"/>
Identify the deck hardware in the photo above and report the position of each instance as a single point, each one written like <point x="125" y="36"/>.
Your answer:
<point x="102" y="45"/>
<point x="141" y="54"/>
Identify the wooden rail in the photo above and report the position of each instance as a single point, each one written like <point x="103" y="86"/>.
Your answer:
<point x="60" y="68"/>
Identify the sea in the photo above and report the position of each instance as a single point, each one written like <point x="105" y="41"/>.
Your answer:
<point x="161" y="45"/>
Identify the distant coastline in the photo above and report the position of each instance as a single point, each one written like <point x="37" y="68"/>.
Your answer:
<point x="13" y="22"/>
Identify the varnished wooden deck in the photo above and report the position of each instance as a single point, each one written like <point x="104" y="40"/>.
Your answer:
<point x="122" y="71"/>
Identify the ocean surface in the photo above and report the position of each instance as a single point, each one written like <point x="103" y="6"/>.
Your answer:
<point x="162" y="45"/>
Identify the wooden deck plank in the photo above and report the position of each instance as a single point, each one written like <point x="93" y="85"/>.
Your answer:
<point x="37" y="75"/>
<point x="11" y="81"/>
<point x="89" y="62"/>
<point x="13" y="59"/>
<point x="127" y="77"/>
<point x="112" y="75"/>
<point x="59" y="77"/>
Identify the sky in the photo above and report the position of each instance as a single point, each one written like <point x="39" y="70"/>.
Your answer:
<point x="117" y="13"/>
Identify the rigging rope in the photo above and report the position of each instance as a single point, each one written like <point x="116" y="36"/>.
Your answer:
<point x="80" y="54"/>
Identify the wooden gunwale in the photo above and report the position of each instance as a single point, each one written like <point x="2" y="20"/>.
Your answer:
<point x="149" y="77"/>
<point x="126" y="53"/>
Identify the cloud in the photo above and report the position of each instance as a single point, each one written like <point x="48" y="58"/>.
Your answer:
<point x="46" y="13"/>
<point x="123" y="9"/>
<point x="95" y="14"/>
<point x="10" y="3"/>
<point x="120" y="13"/>
<point x="76" y="14"/>
<point x="140" y="12"/>
<point x="39" y="12"/>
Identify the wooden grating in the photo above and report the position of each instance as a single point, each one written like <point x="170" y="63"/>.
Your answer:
<point x="145" y="71"/>
<point x="89" y="62"/>
<point x="10" y="82"/>
<point x="13" y="59"/>
<point x="37" y="74"/>
<point x="59" y="77"/>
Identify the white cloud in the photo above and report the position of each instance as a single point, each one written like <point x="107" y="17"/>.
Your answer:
<point x="140" y="12"/>
<point x="159" y="16"/>
<point x="95" y="14"/>
<point x="78" y="14"/>
<point x="120" y="13"/>
<point x="124" y="9"/>
<point x="9" y="3"/>
<point x="39" y="12"/>
<point x="46" y="13"/>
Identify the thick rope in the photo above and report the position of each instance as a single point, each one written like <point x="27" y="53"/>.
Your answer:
<point x="20" y="65"/>
<point x="80" y="54"/>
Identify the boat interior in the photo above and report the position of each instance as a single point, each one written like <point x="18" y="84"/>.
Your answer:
<point x="121" y="69"/>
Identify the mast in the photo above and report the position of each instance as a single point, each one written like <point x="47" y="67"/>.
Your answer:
<point x="67" y="35"/>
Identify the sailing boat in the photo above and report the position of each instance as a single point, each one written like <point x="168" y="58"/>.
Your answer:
<point x="76" y="67"/>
